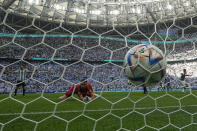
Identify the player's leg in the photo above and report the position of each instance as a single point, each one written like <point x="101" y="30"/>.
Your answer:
<point x="183" y="86"/>
<point x="169" y="86"/>
<point x="145" y="90"/>
<point x="15" y="92"/>
<point x="23" y="86"/>
<point x="67" y="94"/>
<point x="17" y="86"/>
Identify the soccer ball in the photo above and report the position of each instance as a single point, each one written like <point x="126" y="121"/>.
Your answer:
<point x="145" y="64"/>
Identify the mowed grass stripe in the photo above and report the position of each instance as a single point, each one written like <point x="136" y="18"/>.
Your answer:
<point x="120" y="109"/>
<point x="69" y="110"/>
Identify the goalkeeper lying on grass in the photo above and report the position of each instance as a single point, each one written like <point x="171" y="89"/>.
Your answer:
<point x="84" y="90"/>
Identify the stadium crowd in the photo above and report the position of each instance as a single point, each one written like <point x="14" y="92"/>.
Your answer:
<point x="55" y="77"/>
<point x="107" y="77"/>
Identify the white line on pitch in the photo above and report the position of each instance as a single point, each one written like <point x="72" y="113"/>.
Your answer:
<point x="99" y="110"/>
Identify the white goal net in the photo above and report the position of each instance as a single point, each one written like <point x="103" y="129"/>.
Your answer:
<point x="57" y="55"/>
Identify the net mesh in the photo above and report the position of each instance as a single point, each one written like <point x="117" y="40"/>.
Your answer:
<point x="57" y="58"/>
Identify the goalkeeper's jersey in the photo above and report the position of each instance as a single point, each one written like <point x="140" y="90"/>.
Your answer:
<point x="84" y="91"/>
<point x="79" y="90"/>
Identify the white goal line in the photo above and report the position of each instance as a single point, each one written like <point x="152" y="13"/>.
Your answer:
<point x="99" y="110"/>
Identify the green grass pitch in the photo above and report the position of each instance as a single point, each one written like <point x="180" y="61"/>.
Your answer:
<point x="112" y="111"/>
